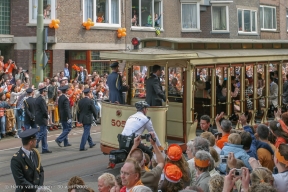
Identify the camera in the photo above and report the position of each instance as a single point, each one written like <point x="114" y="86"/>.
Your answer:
<point x="147" y="137"/>
<point x="25" y="71"/>
<point x="223" y="158"/>
<point x="238" y="172"/>
<point x="219" y="135"/>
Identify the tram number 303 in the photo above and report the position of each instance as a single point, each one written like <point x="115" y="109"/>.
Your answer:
<point x="117" y="123"/>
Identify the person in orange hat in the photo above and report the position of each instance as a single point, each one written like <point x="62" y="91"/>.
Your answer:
<point x="202" y="163"/>
<point x="172" y="178"/>
<point x="174" y="155"/>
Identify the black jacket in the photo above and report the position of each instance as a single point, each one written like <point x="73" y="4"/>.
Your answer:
<point x="41" y="117"/>
<point x="64" y="108"/>
<point x="29" y="107"/>
<point x="154" y="92"/>
<point x="86" y="109"/>
<point x="25" y="173"/>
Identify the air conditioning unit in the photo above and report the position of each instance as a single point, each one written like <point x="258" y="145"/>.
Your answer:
<point x="205" y="2"/>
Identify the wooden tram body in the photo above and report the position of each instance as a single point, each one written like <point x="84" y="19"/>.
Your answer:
<point x="177" y="122"/>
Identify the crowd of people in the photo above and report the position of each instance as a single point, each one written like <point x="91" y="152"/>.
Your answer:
<point x="14" y="81"/>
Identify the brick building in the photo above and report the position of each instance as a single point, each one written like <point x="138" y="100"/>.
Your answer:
<point x="72" y="43"/>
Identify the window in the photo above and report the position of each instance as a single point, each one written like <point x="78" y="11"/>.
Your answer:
<point x="268" y="18"/>
<point x="101" y="66"/>
<point x="190" y="16"/>
<point x="48" y="10"/>
<point x="5" y="17"/>
<point x="220" y="18"/>
<point x="146" y="13"/>
<point x="102" y="12"/>
<point x="247" y="21"/>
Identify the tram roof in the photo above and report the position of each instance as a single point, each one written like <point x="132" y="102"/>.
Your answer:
<point x="171" y="53"/>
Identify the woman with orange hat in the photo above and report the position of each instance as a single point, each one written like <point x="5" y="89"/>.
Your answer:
<point x="172" y="179"/>
<point x="175" y="156"/>
<point x="202" y="163"/>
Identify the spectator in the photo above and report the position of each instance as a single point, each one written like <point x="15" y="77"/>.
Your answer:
<point x="130" y="174"/>
<point x="172" y="178"/>
<point x="199" y="143"/>
<point x="281" y="162"/>
<point x="11" y="79"/>
<point x="234" y="146"/>
<point x="118" y="184"/>
<point x="264" y="156"/>
<point x="202" y="161"/>
<point x="205" y="124"/>
<point x="148" y="178"/>
<point x="105" y="182"/>
<point x="1" y="64"/>
<point x="216" y="183"/>
<point x="141" y="188"/>
<point x="9" y="66"/>
<point x="210" y="137"/>
<point x="66" y="71"/>
<point x="74" y="181"/>
<point x="261" y="175"/>
<point x="263" y="187"/>
<point x="3" y="106"/>
<point x="280" y="132"/>
<point x="224" y="128"/>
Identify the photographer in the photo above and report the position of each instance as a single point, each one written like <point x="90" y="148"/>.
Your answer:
<point x="136" y="125"/>
<point x="9" y="66"/>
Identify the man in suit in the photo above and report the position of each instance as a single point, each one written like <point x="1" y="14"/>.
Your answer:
<point x="114" y="82"/>
<point x="86" y="110"/>
<point x="154" y="93"/>
<point x="29" y="108"/>
<point x="25" y="165"/>
<point x="65" y="117"/>
<point x="273" y="97"/>
<point x="41" y="119"/>
<point x="82" y="75"/>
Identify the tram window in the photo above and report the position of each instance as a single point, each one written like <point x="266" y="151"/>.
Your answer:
<point x="175" y="87"/>
<point x="202" y="83"/>
<point x="139" y="76"/>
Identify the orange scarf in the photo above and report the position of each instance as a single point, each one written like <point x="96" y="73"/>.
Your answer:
<point x="123" y="189"/>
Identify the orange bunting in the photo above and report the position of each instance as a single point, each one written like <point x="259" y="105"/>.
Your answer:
<point x="54" y="23"/>
<point x="75" y="67"/>
<point x="88" y="24"/>
<point x="121" y="32"/>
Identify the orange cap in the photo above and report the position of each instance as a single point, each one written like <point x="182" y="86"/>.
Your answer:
<point x="172" y="173"/>
<point x="174" y="152"/>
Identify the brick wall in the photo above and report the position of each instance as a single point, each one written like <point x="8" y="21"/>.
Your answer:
<point x="23" y="58"/>
<point x="58" y="61"/>
<point x="19" y="19"/>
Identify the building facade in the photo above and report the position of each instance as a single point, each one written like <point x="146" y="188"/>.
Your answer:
<point x="72" y="43"/>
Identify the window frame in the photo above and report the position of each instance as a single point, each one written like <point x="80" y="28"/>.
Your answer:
<point x="272" y="7"/>
<point x="194" y="2"/>
<point x="94" y="18"/>
<point x="256" y="16"/>
<point x="143" y="28"/>
<point x="287" y="19"/>
<point x="227" y="18"/>
<point x="46" y="21"/>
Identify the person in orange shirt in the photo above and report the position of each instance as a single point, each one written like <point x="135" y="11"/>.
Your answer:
<point x="224" y="128"/>
<point x="9" y="66"/>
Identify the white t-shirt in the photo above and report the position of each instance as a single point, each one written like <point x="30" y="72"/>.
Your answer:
<point x="137" y="124"/>
<point x="281" y="181"/>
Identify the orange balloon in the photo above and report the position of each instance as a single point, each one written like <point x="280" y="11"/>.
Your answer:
<point x="89" y="19"/>
<point x="51" y="25"/>
<point x="123" y="29"/>
<point x="92" y="23"/>
<point x="56" y="26"/>
<point x="88" y="23"/>
<point x="53" y="21"/>
<point x="57" y="21"/>
<point x="84" y="24"/>
<point x="123" y="34"/>
<point x="119" y="35"/>
<point x="120" y="30"/>
<point x="88" y="27"/>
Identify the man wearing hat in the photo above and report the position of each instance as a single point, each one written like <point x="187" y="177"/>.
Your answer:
<point x="138" y="123"/>
<point x="25" y="165"/>
<point x="86" y="111"/>
<point x="114" y="82"/>
<point x="41" y="119"/>
<point x="29" y="106"/>
<point x="65" y="117"/>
